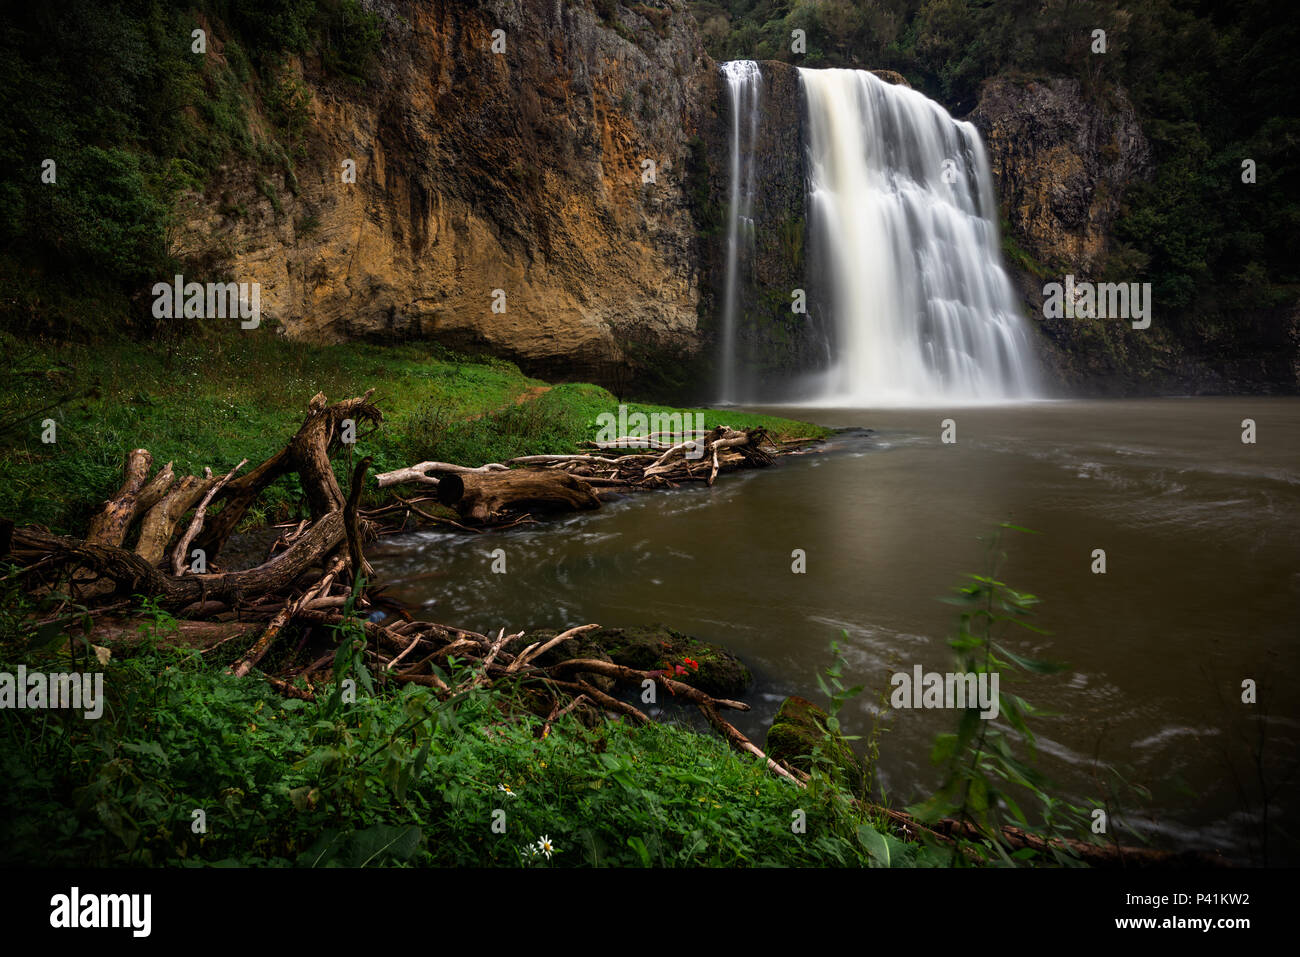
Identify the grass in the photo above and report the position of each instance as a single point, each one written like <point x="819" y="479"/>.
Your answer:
<point x="211" y="400"/>
<point x="394" y="778"/>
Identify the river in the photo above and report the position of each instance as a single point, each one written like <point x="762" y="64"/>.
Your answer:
<point x="1201" y="589"/>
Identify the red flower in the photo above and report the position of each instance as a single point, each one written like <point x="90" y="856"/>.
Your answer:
<point x="695" y="665"/>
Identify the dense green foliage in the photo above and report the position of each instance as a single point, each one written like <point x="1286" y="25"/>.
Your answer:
<point x="1213" y="85"/>
<point x="396" y="777"/>
<point x="131" y="117"/>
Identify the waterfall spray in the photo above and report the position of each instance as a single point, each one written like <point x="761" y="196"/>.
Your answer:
<point x="743" y="80"/>
<point x="902" y="207"/>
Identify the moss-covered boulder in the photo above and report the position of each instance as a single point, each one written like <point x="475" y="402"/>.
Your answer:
<point x="702" y="665"/>
<point x="798" y="728"/>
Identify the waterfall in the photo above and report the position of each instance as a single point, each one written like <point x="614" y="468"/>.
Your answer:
<point x="743" y="80"/>
<point x="902" y="212"/>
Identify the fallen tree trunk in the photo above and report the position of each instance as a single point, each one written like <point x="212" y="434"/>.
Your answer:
<point x="490" y="497"/>
<point x="132" y="574"/>
<point x="202" y="635"/>
<point x="196" y="524"/>
<point x="110" y="524"/>
<point x="426" y="473"/>
<point x="157" y="528"/>
<point x="308" y="454"/>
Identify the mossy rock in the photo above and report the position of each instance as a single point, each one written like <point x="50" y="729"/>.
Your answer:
<point x="653" y="648"/>
<point x="797" y="729"/>
<point x="716" y="671"/>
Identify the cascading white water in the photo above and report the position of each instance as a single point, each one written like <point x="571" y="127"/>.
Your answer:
<point x="901" y="204"/>
<point x="743" y="81"/>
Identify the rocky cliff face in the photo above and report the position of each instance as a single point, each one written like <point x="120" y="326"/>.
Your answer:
<point x="524" y="171"/>
<point x="504" y="201"/>
<point x="1061" y="164"/>
<point x="772" y="341"/>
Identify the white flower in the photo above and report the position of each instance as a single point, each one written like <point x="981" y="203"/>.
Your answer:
<point x="545" y="846"/>
<point x="506" y="788"/>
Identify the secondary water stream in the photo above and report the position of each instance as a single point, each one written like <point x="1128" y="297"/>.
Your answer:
<point x="1202" y="588"/>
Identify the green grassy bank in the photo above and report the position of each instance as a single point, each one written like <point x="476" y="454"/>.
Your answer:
<point x="210" y="401"/>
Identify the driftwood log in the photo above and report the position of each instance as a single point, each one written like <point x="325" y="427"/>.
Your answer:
<point x="497" y="494"/>
<point x="489" y="497"/>
<point x="109" y="526"/>
<point x="99" y="566"/>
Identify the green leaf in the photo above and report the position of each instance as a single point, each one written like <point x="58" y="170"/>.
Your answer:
<point x="375" y="843"/>
<point x="1019" y="528"/>
<point x="642" y="852"/>
<point x="875" y="844"/>
<point x="1032" y="665"/>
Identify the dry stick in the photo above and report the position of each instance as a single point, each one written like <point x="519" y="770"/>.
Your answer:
<point x="528" y="654"/>
<point x="557" y="459"/>
<point x="605" y="701"/>
<point x="409" y="503"/>
<point x="282" y="618"/>
<point x="680" y="447"/>
<point x="406" y="651"/>
<point x="743" y="744"/>
<point x="359" y="564"/>
<point x="285" y="540"/>
<point x="316" y="665"/>
<point x="416" y="473"/>
<point x="627" y="442"/>
<point x="288" y="690"/>
<point x="196" y="525"/>
<point x="372" y="629"/>
<point x="557" y="712"/>
<point x="497" y="645"/>
<point x="455" y="647"/>
<point x="429" y="681"/>
<point x="634" y="675"/>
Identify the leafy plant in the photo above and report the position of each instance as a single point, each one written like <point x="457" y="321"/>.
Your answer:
<point x="988" y="764"/>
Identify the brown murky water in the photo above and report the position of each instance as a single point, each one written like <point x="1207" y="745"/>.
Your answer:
<point x="1202" y="588"/>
